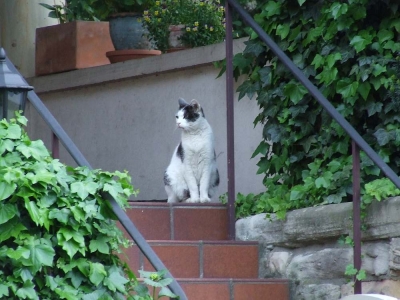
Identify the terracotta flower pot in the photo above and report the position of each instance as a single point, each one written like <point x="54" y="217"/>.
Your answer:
<point x="71" y="46"/>
<point x="174" y="42"/>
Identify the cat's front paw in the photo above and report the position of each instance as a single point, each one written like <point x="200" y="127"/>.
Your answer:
<point x="191" y="200"/>
<point x="204" y="200"/>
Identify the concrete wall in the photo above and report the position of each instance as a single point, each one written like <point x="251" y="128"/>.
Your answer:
<point x="121" y="116"/>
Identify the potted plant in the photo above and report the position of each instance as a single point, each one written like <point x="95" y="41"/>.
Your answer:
<point x="128" y="34"/>
<point x="185" y="23"/>
<point x="76" y="42"/>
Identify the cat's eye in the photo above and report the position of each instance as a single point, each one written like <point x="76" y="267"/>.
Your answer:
<point x="176" y="117"/>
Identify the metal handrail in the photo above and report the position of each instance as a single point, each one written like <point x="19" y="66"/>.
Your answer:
<point x="118" y="211"/>
<point x="358" y="141"/>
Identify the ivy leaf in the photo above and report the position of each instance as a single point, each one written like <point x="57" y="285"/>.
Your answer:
<point x="41" y="255"/>
<point x="11" y="228"/>
<point x="378" y="69"/>
<point x="115" y="281"/>
<point x="27" y="291"/>
<point x="70" y="246"/>
<point x="301" y="2"/>
<point x="382" y="136"/>
<point x="166" y="292"/>
<point x="385" y="35"/>
<point x="262" y="148"/>
<point x="254" y="48"/>
<point x="273" y="133"/>
<point x="318" y="61"/>
<point x="35" y="149"/>
<point x="338" y="9"/>
<point x="321" y="182"/>
<point x="4" y="290"/>
<point x="359" y="43"/>
<point x="62" y="215"/>
<point x="272" y="8"/>
<point x="97" y="273"/>
<point x="6" y="189"/>
<point x="7" y="212"/>
<point x="295" y="92"/>
<point x="374" y="107"/>
<point x="33" y="211"/>
<point x="248" y="88"/>
<point x="83" y="189"/>
<point x="13" y="132"/>
<point x="363" y="89"/>
<point x="334" y="199"/>
<point x="347" y="88"/>
<point x="6" y="145"/>
<point x="265" y="76"/>
<point x="283" y="30"/>
<point x="241" y="61"/>
<point x="99" y="244"/>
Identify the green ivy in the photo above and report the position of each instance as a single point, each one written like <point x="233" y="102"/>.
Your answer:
<point x="350" y="51"/>
<point x="58" y="237"/>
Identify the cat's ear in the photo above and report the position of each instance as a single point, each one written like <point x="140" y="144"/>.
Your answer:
<point x="182" y="103"/>
<point x="196" y="106"/>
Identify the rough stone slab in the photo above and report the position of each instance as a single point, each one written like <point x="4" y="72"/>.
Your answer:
<point x="318" y="292"/>
<point x="324" y="264"/>
<point x="384" y="287"/>
<point x="317" y="224"/>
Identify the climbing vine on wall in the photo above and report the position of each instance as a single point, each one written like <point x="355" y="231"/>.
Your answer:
<point x="350" y="51"/>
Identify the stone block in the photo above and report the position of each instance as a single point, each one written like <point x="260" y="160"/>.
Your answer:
<point x="318" y="292"/>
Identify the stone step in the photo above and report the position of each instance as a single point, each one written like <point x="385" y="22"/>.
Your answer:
<point x="200" y="259"/>
<point x="238" y="289"/>
<point x="180" y="221"/>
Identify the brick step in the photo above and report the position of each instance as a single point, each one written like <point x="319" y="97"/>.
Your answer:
<point x="180" y="221"/>
<point x="238" y="289"/>
<point x="200" y="259"/>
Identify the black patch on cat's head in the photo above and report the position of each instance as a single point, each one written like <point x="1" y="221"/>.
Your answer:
<point x="192" y="111"/>
<point x="167" y="180"/>
<point x="179" y="152"/>
<point x="190" y="114"/>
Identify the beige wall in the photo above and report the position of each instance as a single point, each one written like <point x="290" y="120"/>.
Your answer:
<point x="18" y="22"/>
<point x="130" y="124"/>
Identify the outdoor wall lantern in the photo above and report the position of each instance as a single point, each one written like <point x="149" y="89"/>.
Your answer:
<point x="13" y="90"/>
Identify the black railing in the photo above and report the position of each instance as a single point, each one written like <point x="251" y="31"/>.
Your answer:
<point x="357" y="141"/>
<point x="58" y="133"/>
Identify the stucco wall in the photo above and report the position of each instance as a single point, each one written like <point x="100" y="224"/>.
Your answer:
<point x="18" y="22"/>
<point x="121" y="116"/>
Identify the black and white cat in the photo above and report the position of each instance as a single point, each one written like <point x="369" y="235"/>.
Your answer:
<point x="192" y="174"/>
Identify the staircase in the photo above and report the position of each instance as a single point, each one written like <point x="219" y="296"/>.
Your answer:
<point x="192" y="241"/>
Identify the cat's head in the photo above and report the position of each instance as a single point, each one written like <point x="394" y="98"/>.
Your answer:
<point x="189" y="115"/>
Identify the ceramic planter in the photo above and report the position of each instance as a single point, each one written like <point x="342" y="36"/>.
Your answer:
<point x="127" y="32"/>
<point x="71" y="46"/>
<point x="129" y="37"/>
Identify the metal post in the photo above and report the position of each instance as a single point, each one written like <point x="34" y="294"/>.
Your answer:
<point x="230" y="121"/>
<point x="55" y="146"/>
<point x="356" y="214"/>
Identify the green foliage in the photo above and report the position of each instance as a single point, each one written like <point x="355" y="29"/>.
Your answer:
<point x="93" y="10"/>
<point x="155" y="280"/>
<point x="349" y="50"/>
<point x="353" y="272"/>
<point x="58" y="237"/>
<point x="203" y="22"/>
